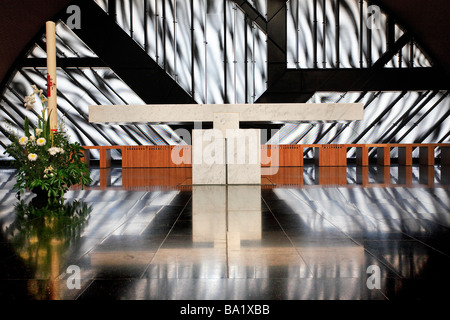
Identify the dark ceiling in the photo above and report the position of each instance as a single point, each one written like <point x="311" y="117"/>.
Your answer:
<point x="429" y="22"/>
<point x="21" y="20"/>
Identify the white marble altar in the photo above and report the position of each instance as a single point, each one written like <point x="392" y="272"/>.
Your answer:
<point x="233" y="157"/>
<point x="275" y="112"/>
<point x="243" y="150"/>
<point x="226" y="154"/>
<point x="208" y="157"/>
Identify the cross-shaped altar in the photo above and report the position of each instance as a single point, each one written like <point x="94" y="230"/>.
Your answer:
<point x="226" y="154"/>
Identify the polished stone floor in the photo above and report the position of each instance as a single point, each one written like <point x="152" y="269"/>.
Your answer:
<point x="355" y="233"/>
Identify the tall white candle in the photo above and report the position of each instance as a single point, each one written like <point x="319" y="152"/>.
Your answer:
<point x="51" y="72"/>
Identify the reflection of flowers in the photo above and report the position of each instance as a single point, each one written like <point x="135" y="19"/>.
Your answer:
<point x="41" y="237"/>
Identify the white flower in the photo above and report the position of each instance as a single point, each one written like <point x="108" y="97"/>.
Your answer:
<point x="53" y="150"/>
<point x="23" y="141"/>
<point x="49" y="169"/>
<point x="29" y="105"/>
<point x="29" y="102"/>
<point x="38" y="132"/>
<point x="48" y="173"/>
<point x="32" y="138"/>
<point x="41" y="142"/>
<point x="32" y="157"/>
<point x="36" y="90"/>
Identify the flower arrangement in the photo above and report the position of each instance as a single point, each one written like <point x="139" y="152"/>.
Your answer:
<point x="46" y="162"/>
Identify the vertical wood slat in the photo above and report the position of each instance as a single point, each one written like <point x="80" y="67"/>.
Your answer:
<point x="281" y="155"/>
<point x="333" y="155"/>
<point x="156" y="157"/>
<point x="426" y="155"/>
<point x="384" y="156"/>
<point x="405" y="155"/>
<point x="362" y="155"/>
<point x="86" y="157"/>
<point x="105" y="158"/>
<point x="105" y="154"/>
<point x="135" y="157"/>
<point x="292" y="155"/>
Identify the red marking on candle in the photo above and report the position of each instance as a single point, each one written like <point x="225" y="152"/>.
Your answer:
<point x="54" y="130"/>
<point x="49" y="85"/>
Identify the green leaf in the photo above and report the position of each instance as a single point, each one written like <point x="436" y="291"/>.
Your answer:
<point x="47" y="126"/>
<point x="27" y="127"/>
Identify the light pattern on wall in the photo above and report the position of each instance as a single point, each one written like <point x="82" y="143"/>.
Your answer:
<point x="218" y="55"/>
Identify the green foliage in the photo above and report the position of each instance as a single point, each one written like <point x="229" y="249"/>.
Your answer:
<point x="27" y="127"/>
<point x="46" y="159"/>
<point x="74" y="213"/>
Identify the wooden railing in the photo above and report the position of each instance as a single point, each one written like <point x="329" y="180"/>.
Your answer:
<point x="325" y="155"/>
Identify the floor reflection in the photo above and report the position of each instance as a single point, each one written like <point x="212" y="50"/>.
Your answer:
<point x="226" y="212"/>
<point x="305" y="235"/>
<point x="40" y="237"/>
